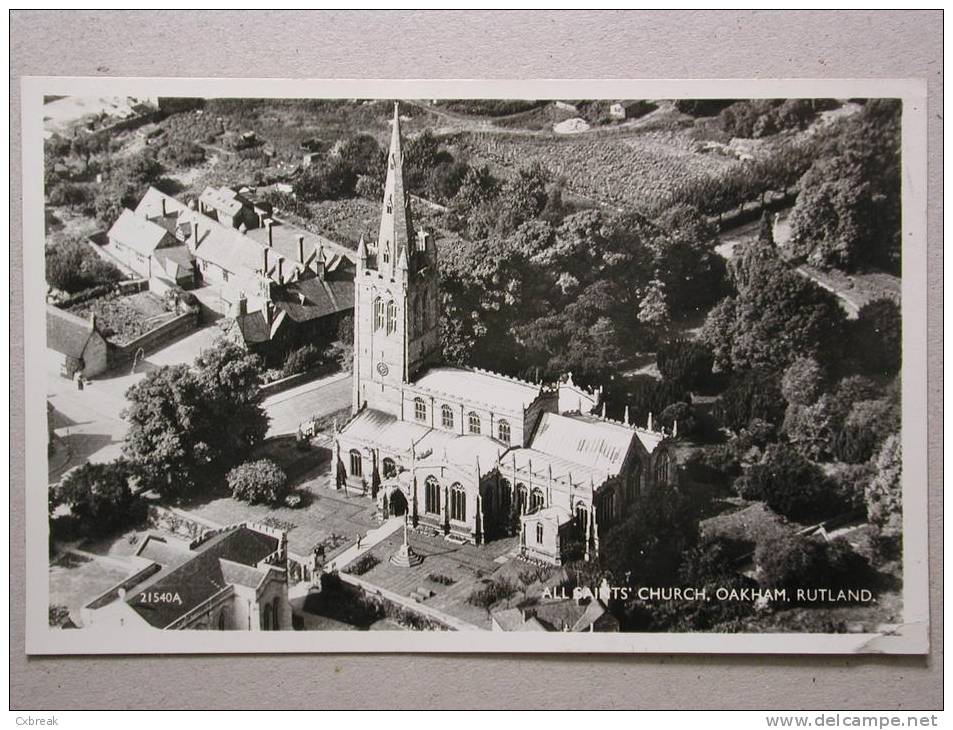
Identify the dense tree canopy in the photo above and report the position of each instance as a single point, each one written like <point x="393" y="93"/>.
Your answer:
<point x="99" y="497"/>
<point x="847" y="214"/>
<point x="187" y="425"/>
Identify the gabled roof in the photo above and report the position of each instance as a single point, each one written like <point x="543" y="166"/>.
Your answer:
<point x="312" y="298"/>
<point x="66" y="333"/>
<point x="139" y="234"/>
<point x="284" y="240"/>
<point x="199" y="575"/>
<point x="587" y="441"/>
<point x="223" y="199"/>
<point x="500" y="392"/>
<point x="377" y="427"/>
<point x="151" y="207"/>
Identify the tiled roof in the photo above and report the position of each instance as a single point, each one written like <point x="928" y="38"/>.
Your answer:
<point x="462" y="450"/>
<point x="139" y="234"/>
<point x="66" y="333"/>
<point x="151" y="207"/>
<point x="225" y="247"/>
<point x="501" y="393"/>
<point x="199" y="575"/>
<point x="313" y="298"/>
<point x="224" y="199"/>
<point x="284" y="240"/>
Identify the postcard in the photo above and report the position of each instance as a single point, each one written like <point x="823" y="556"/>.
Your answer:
<point x="475" y="366"/>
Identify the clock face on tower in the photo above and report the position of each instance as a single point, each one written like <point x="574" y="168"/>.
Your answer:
<point x="382" y="369"/>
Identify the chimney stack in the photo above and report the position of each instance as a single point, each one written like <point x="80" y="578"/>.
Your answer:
<point x="264" y="261"/>
<point x="281" y="261"/>
<point x="319" y="261"/>
<point x="301" y="248"/>
<point x="268" y="223"/>
<point x="163" y="206"/>
<point x="195" y="234"/>
<point x="92" y="320"/>
<point x="242" y="305"/>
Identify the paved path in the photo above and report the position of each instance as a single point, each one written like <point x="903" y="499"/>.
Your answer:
<point x="372" y="538"/>
<point x="290" y="408"/>
<point x="88" y="421"/>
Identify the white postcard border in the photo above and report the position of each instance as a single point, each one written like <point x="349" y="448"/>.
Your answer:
<point x="911" y="637"/>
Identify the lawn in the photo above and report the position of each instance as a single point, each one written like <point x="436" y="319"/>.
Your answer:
<point x="466" y="565"/>
<point x="326" y="517"/>
<point x="76" y="580"/>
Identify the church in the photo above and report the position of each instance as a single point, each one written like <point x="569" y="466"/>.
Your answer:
<point x="466" y="453"/>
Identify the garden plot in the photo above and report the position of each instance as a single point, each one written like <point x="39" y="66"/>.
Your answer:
<point x="124" y="318"/>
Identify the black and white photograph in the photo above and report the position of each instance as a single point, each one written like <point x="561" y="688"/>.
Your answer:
<point x="376" y="368"/>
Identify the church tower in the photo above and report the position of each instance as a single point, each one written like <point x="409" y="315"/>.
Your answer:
<point x="396" y="304"/>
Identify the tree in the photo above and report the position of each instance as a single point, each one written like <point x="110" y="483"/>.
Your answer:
<point x="876" y="337"/>
<point x="680" y="414"/>
<point x="258" y="482"/>
<point x="302" y="359"/>
<point x="779" y="317"/>
<point x="792" y="562"/>
<point x="188" y="425"/>
<point x="71" y="266"/>
<point x="653" y="309"/>
<point x="884" y="494"/>
<point x="648" y="547"/>
<point x="847" y="213"/>
<point x="99" y="497"/>
<point x="750" y="394"/>
<point x="802" y="381"/>
<point x="332" y="179"/>
<point x="793" y="486"/>
<point x="685" y="361"/>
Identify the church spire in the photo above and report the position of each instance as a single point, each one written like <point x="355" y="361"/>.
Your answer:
<point x="397" y="229"/>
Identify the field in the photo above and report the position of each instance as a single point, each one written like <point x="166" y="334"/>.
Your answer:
<point x="642" y="170"/>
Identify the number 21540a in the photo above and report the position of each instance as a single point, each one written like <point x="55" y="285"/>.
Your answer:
<point x="160" y="597"/>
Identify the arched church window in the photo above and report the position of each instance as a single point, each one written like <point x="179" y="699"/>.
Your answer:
<point x="504" y="431"/>
<point x="431" y="496"/>
<point x="386" y="252"/>
<point x="420" y="409"/>
<point x="275" y="622"/>
<point x="582" y="517"/>
<point x="536" y="499"/>
<point x="521" y="497"/>
<point x="378" y="313"/>
<point x="662" y="470"/>
<point x="446" y="416"/>
<point x="391" y="317"/>
<point x="389" y="467"/>
<point x="473" y="421"/>
<point x="356" y="469"/>
<point x="633" y="483"/>
<point x="458" y="503"/>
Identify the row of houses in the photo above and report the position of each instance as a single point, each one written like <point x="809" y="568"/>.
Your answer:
<point x="280" y="283"/>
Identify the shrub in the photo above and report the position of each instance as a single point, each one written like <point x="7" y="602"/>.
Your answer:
<point x="442" y="579"/>
<point x="301" y="360"/>
<point x="362" y="564"/>
<point x="493" y="592"/>
<point x="803" y="381"/>
<point x="260" y="481"/>
<point x="181" y="153"/>
<point x="884" y="496"/>
<point x="876" y="337"/>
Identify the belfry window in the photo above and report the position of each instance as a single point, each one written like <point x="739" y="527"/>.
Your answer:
<point x="539" y="533"/>
<point x="420" y="409"/>
<point x="378" y="313"/>
<point x="391" y="317"/>
<point x="446" y="416"/>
